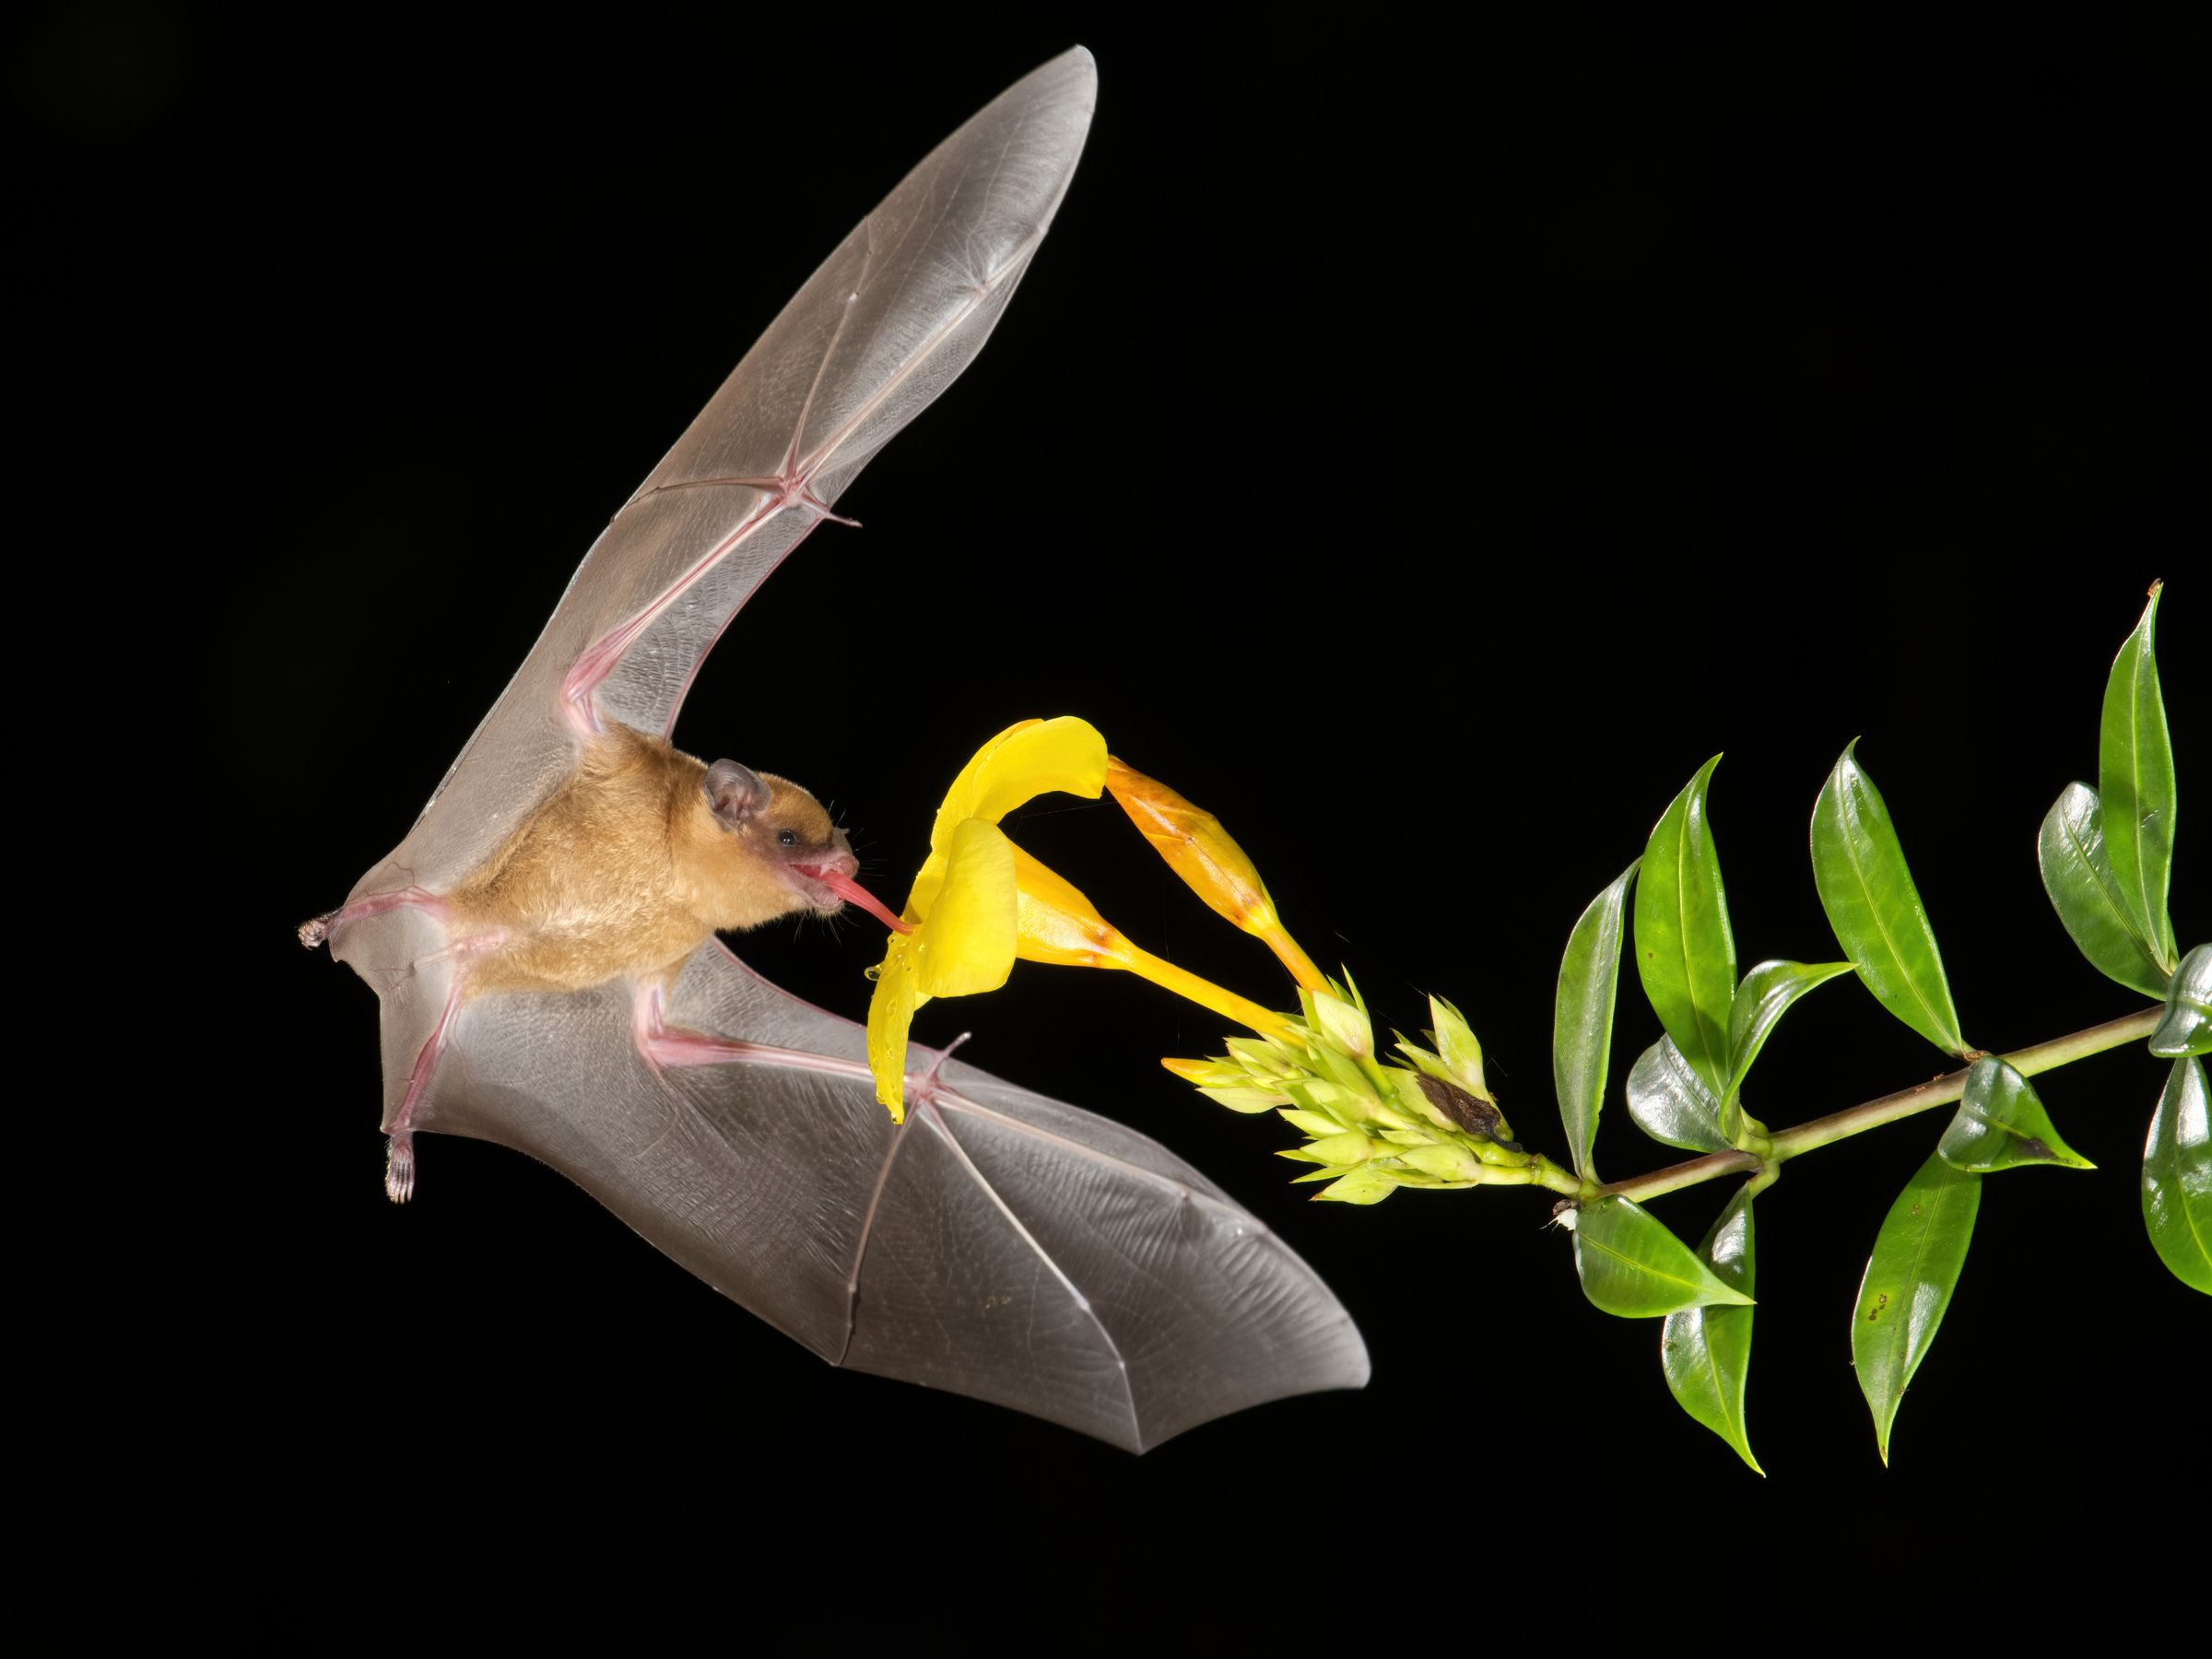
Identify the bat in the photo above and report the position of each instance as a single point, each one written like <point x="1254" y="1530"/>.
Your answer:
<point x="544" y="941"/>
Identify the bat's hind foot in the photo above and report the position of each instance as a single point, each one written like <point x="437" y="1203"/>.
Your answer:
<point x="317" y="932"/>
<point x="399" y="1167"/>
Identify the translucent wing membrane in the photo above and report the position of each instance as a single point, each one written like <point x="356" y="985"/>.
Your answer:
<point x="998" y="1245"/>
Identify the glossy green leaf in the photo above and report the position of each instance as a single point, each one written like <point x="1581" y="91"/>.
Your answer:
<point x="1866" y="889"/>
<point x="2186" y="1027"/>
<point x="2001" y="1124"/>
<point x="1670" y="1101"/>
<point x="1581" y="1021"/>
<point x="2086" y="894"/>
<point x="1706" y="1352"/>
<point x="2177" y="1177"/>
<point x="1767" y="992"/>
<point x="2135" y="780"/>
<point x="1685" y="954"/>
<point x="1907" y="1286"/>
<point x="1631" y="1267"/>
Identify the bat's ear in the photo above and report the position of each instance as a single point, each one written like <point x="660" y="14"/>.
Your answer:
<point x="736" y="793"/>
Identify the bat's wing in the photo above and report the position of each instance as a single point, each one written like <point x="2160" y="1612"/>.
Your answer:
<point x="999" y="1244"/>
<point x="885" y="325"/>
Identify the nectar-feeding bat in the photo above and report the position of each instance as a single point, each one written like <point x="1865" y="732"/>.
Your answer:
<point x="542" y="940"/>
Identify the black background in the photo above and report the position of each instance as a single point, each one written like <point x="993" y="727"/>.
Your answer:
<point x="1422" y="452"/>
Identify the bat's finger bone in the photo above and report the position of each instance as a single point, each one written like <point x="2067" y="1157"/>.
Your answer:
<point x="924" y="1086"/>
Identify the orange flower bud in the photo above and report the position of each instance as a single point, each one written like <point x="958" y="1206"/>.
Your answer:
<point x="1209" y="862"/>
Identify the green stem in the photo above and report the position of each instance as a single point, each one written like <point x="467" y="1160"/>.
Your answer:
<point x="1873" y="1115"/>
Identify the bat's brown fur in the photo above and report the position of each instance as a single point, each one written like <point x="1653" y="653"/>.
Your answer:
<point x="625" y="869"/>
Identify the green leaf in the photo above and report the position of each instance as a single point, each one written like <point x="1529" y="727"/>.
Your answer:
<point x="1907" y="1286"/>
<point x="1581" y="1021"/>
<point x="1633" y="1268"/>
<point x="2177" y="1178"/>
<point x="2086" y="894"/>
<point x="2001" y="1124"/>
<point x="1767" y="991"/>
<point x="2186" y="1028"/>
<point x="2135" y="780"/>
<point x="1866" y="889"/>
<point x="1670" y="1101"/>
<point x="1685" y="954"/>
<point x="1706" y="1352"/>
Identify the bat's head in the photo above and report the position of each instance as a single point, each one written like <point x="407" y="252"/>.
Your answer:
<point x="782" y="854"/>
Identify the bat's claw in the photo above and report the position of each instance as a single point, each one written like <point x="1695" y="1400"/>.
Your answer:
<point x="312" y="934"/>
<point x="399" y="1168"/>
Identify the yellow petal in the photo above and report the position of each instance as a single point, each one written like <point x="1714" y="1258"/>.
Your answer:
<point x="967" y="945"/>
<point x="890" y="1013"/>
<point x="928" y="882"/>
<point x="1025" y="760"/>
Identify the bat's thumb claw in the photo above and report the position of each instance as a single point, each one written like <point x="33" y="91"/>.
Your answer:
<point x="312" y="934"/>
<point x="399" y="1168"/>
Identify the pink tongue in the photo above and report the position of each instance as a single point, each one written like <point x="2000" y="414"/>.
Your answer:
<point x="849" y="890"/>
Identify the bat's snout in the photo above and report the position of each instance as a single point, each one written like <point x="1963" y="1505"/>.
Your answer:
<point x="835" y="865"/>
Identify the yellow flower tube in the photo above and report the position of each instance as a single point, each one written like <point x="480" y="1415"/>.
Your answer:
<point x="1057" y="924"/>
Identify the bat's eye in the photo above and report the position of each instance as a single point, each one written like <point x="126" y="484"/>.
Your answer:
<point x="787" y="838"/>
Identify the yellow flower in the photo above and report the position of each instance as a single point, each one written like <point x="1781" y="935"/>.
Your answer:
<point x="980" y="901"/>
<point x="965" y="904"/>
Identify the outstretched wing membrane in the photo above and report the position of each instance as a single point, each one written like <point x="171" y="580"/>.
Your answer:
<point x="998" y="1245"/>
